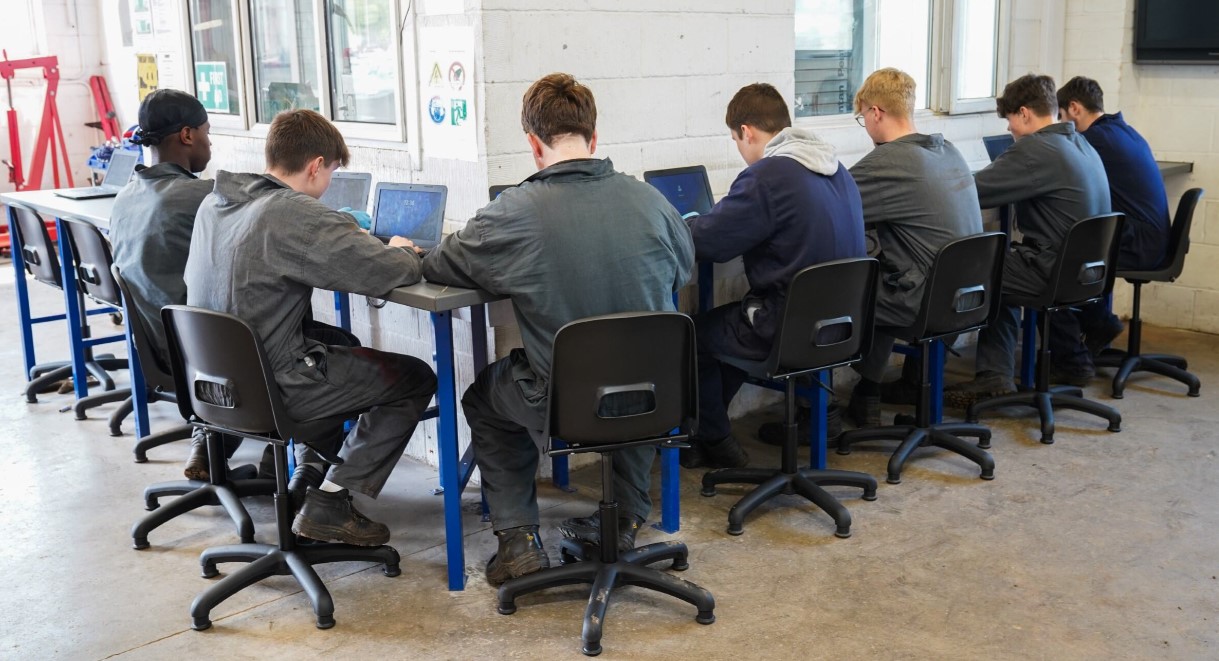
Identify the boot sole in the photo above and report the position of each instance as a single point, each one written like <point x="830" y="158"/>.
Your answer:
<point x="322" y="533"/>
<point x="520" y="567"/>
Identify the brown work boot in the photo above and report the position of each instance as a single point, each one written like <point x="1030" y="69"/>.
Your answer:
<point x="330" y="516"/>
<point x="520" y="552"/>
<point x="962" y="395"/>
<point x="196" y="467"/>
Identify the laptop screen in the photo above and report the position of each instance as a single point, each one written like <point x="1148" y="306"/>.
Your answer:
<point x="122" y="164"/>
<point x="348" y="189"/>
<point x="686" y="189"/>
<point x="997" y="144"/>
<point x="414" y="212"/>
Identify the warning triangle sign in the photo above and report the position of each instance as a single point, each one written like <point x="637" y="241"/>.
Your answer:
<point x="437" y="80"/>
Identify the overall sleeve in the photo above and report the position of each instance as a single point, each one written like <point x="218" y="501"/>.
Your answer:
<point x="465" y="258"/>
<point x="736" y="225"/>
<point x="1013" y="177"/>
<point x="336" y="255"/>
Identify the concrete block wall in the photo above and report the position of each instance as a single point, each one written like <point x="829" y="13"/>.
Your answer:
<point x="1176" y="108"/>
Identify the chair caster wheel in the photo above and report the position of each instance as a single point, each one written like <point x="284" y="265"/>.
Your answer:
<point x="1118" y="395"/>
<point x="708" y="492"/>
<point x="1115" y="427"/>
<point x="984" y="444"/>
<point x="1047" y="440"/>
<point x="139" y="544"/>
<point x="842" y="534"/>
<point x="209" y="571"/>
<point x="591" y="649"/>
<point x="1194" y="393"/>
<point x="871" y="496"/>
<point x="705" y="617"/>
<point x="506" y="609"/>
<point x="736" y="530"/>
<point x="200" y="623"/>
<point x="325" y="622"/>
<point x="843" y="450"/>
<point x="81" y="416"/>
<point x="988" y="475"/>
<point x="391" y="570"/>
<point x="679" y="566"/>
<point x="892" y="479"/>
<point x="141" y="458"/>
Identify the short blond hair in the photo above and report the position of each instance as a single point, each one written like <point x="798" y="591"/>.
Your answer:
<point x="892" y="90"/>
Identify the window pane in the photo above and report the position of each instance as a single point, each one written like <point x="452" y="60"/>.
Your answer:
<point x="976" y="60"/>
<point x="839" y="42"/>
<point x="214" y="47"/>
<point x="285" y="56"/>
<point x="363" y="60"/>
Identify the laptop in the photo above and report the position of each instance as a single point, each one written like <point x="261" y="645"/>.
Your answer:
<point x="687" y="189"/>
<point x="348" y="189"/>
<point x="122" y="165"/>
<point x="997" y="144"/>
<point x="494" y="191"/>
<point x="412" y="211"/>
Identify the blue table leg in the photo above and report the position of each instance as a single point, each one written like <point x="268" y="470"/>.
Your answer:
<point x="670" y="491"/>
<point x="80" y="375"/>
<point x="139" y="389"/>
<point x="1028" y="352"/>
<point x="342" y="310"/>
<point x="560" y="474"/>
<point x="819" y="398"/>
<point x="23" y="296"/>
<point x="935" y="354"/>
<point x="446" y="433"/>
<point x="478" y="337"/>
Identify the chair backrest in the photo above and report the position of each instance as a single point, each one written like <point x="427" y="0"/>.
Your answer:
<point x="623" y="377"/>
<point x="827" y="318"/>
<point x="1178" y="235"/>
<point x="37" y="250"/>
<point x="91" y="251"/>
<point x="962" y="288"/>
<point x="156" y="373"/>
<point x="221" y="372"/>
<point x="1087" y="261"/>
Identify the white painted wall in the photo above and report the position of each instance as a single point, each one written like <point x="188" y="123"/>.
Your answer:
<point x="1176" y="108"/>
<point x="70" y="30"/>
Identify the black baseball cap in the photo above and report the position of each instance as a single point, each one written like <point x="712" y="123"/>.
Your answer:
<point x="168" y="111"/>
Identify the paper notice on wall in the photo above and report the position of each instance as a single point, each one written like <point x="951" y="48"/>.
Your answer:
<point x="141" y="25"/>
<point x="168" y="44"/>
<point x="446" y="95"/>
<point x="146" y="73"/>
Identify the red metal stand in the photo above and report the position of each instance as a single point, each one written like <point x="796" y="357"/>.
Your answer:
<point x="49" y="132"/>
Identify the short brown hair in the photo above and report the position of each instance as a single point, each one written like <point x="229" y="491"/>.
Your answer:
<point x="558" y="105"/>
<point x="1028" y="91"/>
<point x="892" y="90"/>
<point x="760" y="106"/>
<point x="299" y="136"/>
<point x="1084" y="91"/>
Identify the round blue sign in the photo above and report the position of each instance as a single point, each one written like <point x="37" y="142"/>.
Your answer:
<point x="436" y="110"/>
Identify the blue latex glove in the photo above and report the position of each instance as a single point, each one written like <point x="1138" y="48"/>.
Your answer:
<point x="690" y="215"/>
<point x="362" y="218"/>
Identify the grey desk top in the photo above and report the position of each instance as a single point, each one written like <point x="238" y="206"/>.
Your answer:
<point x="439" y="298"/>
<point x="96" y="210"/>
<point x="1170" y="168"/>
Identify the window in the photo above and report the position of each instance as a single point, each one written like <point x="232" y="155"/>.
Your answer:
<point x="952" y="48"/>
<point x="286" y="71"/>
<point x="214" y="46"/>
<point x="363" y="60"/>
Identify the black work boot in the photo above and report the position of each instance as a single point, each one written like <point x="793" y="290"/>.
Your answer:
<point x="305" y="476"/>
<point x="725" y="453"/>
<point x="864" y="409"/>
<point x="520" y="552"/>
<point x="196" y="464"/>
<point x="331" y="517"/>
<point x="588" y="529"/>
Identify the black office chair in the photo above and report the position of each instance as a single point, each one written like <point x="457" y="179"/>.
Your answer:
<point x="826" y="323"/>
<point x="91" y="251"/>
<point x="1132" y="359"/>
<point x="618" y="381"/>
<point x="1083" y="274"/>
<point x="220" y="367"/>
<point x="42" y="262"/>
<point x="158" y="382"/>
<point x="961" y="295"/>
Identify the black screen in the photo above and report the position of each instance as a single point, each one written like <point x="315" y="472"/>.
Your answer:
<point x="1184" y="30"/>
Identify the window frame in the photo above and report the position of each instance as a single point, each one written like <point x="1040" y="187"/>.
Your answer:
<point x="941" y="96"/>
<point x="246" y="121"/>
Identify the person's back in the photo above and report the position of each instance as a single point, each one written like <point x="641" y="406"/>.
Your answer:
<point x="1055" y="179"/>
<point x="150" y="231"/>
<point x="793" y="207"/>
<point x="576" y="240"/>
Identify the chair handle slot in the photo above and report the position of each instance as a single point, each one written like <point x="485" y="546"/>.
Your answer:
<point x="828" y="332"/>
<point x="31" y="256"/>
<point x="88" y="273"/>
<point x="626" y="401"/>
<point x="965" y="297"/>
<point x="216" y="391"/>
<point x="1088" y="270"/>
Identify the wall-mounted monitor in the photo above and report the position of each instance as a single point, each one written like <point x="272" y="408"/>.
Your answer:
<point x="1176" y="32"/>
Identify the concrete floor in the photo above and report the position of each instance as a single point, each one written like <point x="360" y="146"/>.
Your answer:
<point x="1100" y="546"/>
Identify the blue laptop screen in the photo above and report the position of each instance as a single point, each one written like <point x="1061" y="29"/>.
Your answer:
<point x="997" y="144"/>
<point x="687" y="192"/>
<point x="416" y="215"/>
<point x="345" y="192"/>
